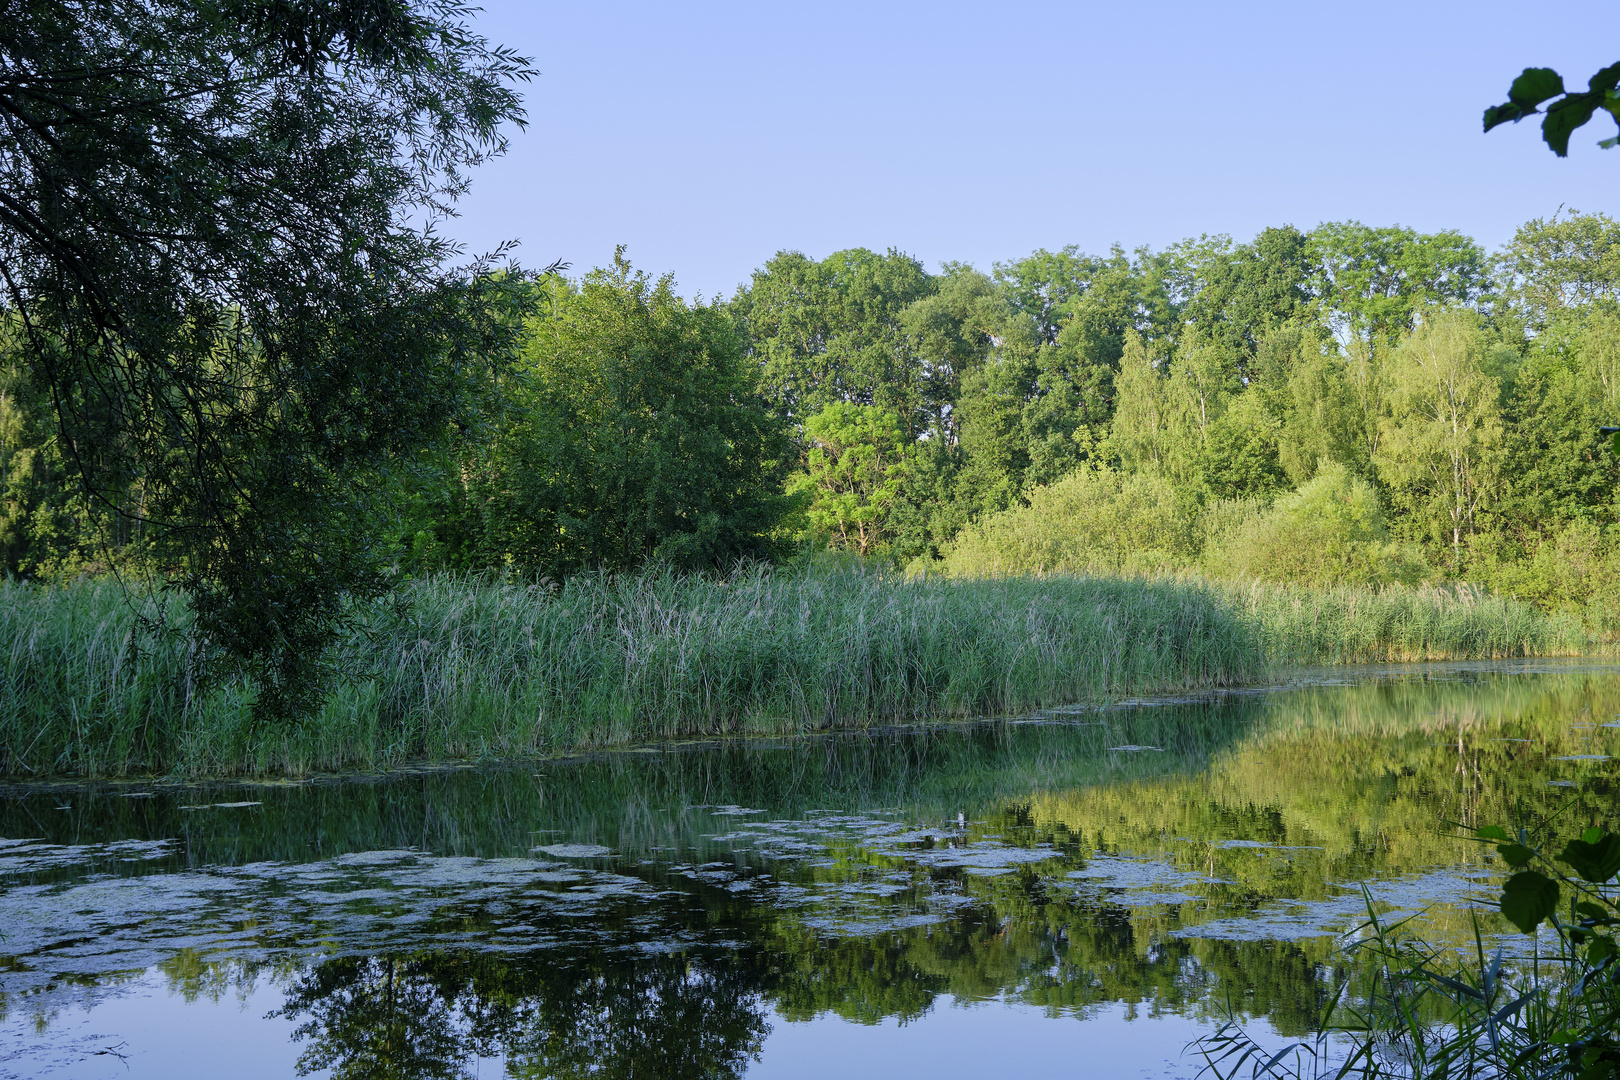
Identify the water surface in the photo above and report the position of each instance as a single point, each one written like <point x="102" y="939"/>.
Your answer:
<point x="1079" y="893"/>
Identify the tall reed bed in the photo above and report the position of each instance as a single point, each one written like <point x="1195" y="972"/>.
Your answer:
<point x="1350" y="625"/>
<point x="473" y="669"/>
<point x="476" y="669"/>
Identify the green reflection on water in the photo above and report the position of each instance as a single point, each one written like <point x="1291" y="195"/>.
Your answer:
<point x="859" y="875"/>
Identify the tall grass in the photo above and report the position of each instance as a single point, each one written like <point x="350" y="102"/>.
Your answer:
<point x="475" y="669"/>
<point x="1348" y="624"/>
<point x="1419" y="1011"/>
<point x="478" y="669"/>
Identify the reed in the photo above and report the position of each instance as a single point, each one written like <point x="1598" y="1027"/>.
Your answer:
<point x="478" y="669"/>
<point x="1351" y="624"/>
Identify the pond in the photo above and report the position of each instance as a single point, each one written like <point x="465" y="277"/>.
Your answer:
<point x="1075" y="893"/>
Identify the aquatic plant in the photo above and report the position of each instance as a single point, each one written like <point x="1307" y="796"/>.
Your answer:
<point x="1348" y="624"/>
<point x="1424" y="1016"/>
<point x="466" y="667"/>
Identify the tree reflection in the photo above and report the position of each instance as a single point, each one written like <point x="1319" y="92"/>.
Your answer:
<point x="430" y="1015"/>
<point x="567" y="1015"/>
<point x="650" y="1017"/>
<point x="1286" y="814"/>
<point x="381" y="1018"/>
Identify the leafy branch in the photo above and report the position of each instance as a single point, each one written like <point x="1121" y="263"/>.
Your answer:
<point x="1569" y="109"/>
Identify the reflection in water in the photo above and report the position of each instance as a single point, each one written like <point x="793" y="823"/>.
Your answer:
<point x="427" y="1015"/>
<point x="657" y="913"/>
<point x="385" y="1018"/>
<point x="432" y="1013"/>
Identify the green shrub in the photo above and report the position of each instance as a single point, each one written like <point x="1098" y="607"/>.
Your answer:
<point x="1329" y="532"/>
<point x="1091" y="521"/>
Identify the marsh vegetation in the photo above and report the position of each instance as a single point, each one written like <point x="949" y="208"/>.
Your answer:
<point x="469" y="669"/>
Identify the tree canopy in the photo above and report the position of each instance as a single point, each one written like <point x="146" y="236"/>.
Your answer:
<point x="220" y="269"/>
<point x="632" y="429"/>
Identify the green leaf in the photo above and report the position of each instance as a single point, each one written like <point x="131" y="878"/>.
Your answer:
<point x="1515" y="854"/>
<point x="1501" y="114"/>
<point x="1528" y="898"/>
<point x="1563" y="117"/>
<point x="1600" y="950"/>
<point x="1607" y="79"/>
<point x="1597" y="913"/>
<point x="1611" y="102"/>
<point x="1495" y="832"/>
<point x="1614" y="443"/>
<point x="1534" y="86"/>
<point x="1592" y="835"/>
<point x="1595" y="861"/>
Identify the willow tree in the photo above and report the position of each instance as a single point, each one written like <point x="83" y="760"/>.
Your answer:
<point x="217" y="236"/>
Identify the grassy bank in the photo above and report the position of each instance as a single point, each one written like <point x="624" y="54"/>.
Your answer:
<point x="479" y="669"/>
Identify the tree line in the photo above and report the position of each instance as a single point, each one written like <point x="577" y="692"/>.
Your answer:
<point x="1443" y="401"/>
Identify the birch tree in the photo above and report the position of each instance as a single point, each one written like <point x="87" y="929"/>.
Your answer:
<point x="1442" y="427"/>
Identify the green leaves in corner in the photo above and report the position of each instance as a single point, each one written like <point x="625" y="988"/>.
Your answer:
<point x="1595" y="856"/>
<point x="1536" y="86"/>
<point x="1529" y="898"/>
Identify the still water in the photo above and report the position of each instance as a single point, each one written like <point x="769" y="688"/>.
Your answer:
<point x="1073" y="894"/>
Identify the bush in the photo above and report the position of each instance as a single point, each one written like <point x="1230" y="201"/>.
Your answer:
<point x="1329" y="532"/>
<point x="1091" y="521"/>
<point x="1575" y="572"/>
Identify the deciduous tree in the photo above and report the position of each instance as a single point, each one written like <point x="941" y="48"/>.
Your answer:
<point x="637" y="432"/>
<point x="217" y="237"/>
<point x="1442" y="443"/>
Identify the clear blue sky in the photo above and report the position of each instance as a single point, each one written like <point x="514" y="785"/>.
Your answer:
<point x="707" y="136"/>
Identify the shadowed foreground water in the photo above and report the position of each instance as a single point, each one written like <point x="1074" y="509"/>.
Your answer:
<point x="1074" y="894"/>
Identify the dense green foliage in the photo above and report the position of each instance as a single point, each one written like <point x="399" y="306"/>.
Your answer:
<point x="1451" y="401"/>
<point x="862" y="403"/>
<point x="632" y="430"/>
<point x="1354" y="405"/>
<point x="226" y="313"/>
<point x="473" y="669"/>
<point x="1350" y="406"/>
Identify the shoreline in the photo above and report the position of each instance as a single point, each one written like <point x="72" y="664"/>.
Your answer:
<point x="1064" y="715"/>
